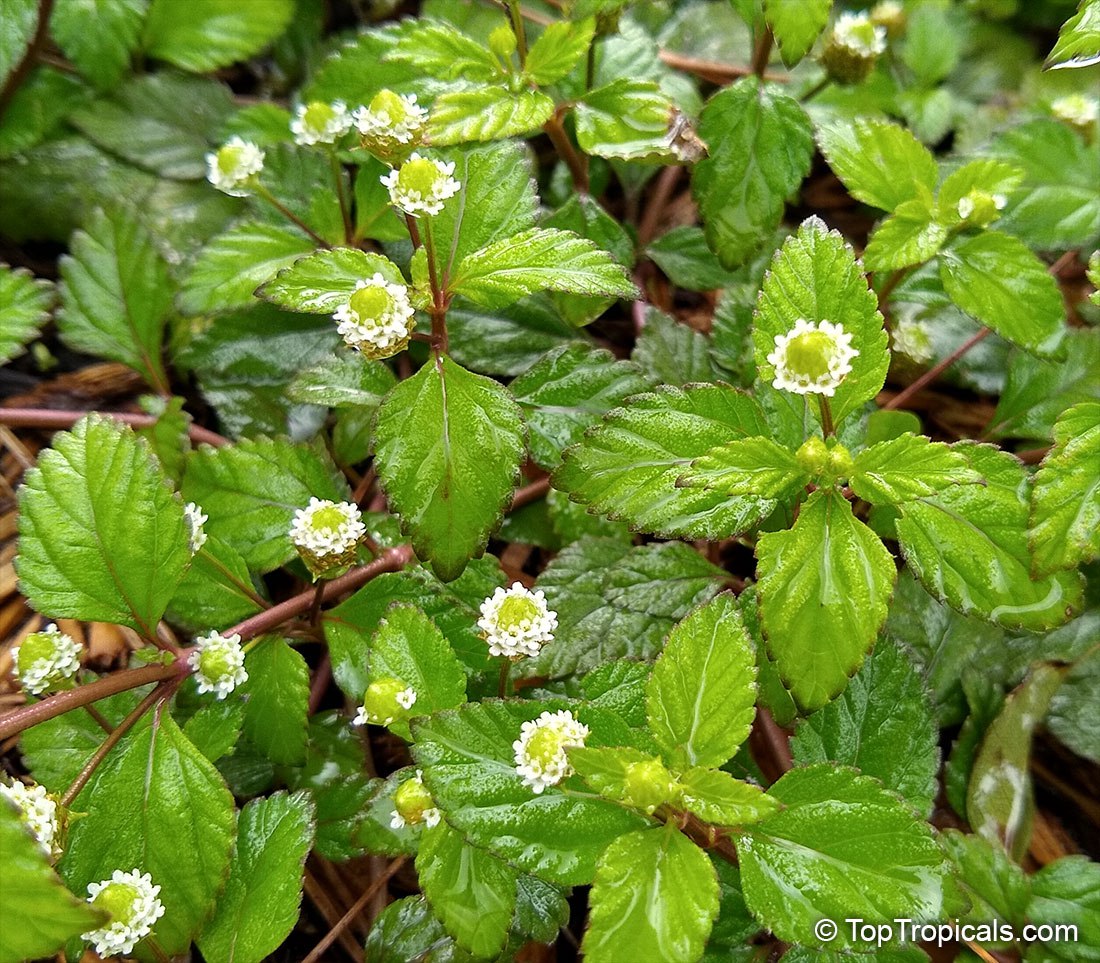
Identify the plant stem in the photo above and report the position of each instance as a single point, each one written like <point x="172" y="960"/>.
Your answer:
<point x="577" y="164"/>
<point x="815" y="90"/>
<point x="891" y="282"/>
<point x="265" y="194"/>
<point x="933" y="373"/>
<point x="530" y="493"/>
<point x="827" y="428"/>
<point x="519" y="29"/>
<point x="318" y="598"/>
<point x="504" y="686"/>
<point x="112" y="740"/>
<point x="762" y="52"/>
<point x="590" y="65"/>
<point x="345" y="211"/>
<point x="439" y="296"/>
<point x="715" y="72"/>
<point x="54" y="418"/>
<point x="26" y="65"/>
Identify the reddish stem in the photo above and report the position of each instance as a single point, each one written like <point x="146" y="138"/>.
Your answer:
<point x="49" y="418"/>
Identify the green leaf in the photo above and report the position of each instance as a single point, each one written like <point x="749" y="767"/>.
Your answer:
<point x="816" y="276"/>
<point x="1065" y="503"/>
<point x="259" y="906"/>
<point x="506" y="341"/>
<point x="439" y="50"/>
<point x="988" y="175"/>
<point x="469" y="766"/>
<point x="160" y="122"/>
<point x="748" y="466"/>
<point x="909" y="236"/>
<point x="101" y="537"/>
<point x="24" y="307"/>
<point x="880" y="163"/>
<point x="541" y="259"/>
<point x="1079" y="39"/>
<point x="701" y="695"/>
<point x="487" y="113"/>
<point x="615" y="601"/>
<point x="375" y="216"/>
<point x="1000" y="804"/>
<point x="48" y="914"/>
<point x="100" y="45"/>
<point x="471" y="890"/>
<point x="683" y="255"/>
<point x="347" y="380"/>
<point x="409" y="930"/>
<point x="824" y="586"/>
<point x="906" y="467"/>
<point x="206" y="34"/>
<point x="1057" y="206"/>
<point x="409" y="647"/>
<point x="796" y="25"/>
<point x="215" y="729"/>
<point x="626" y="119"/>
<point x="558" y="50"/>
<point x="160" y="805"/>
<point x="16" y="34"/>
<point x="1067" y="891"/>
<point x="812" y="860"/>
<point x="1072" y="717"/>
<point x="655" y="897"/>
<point x="717" y="797"/>
<point x="761" y="145"/>
<point x="252" y="489"/>
<point x="231" y="267"/>
<point x="674" y="353"/>
<point x="995" y="278"/>
<point x="321" y="282"/>
<point x="882" y="725"/>
<point x="968" y="546"/>
<point x="217" y="589"/>
<point x="447" y="447"/>
<point x="277" y="705"/>
<point x="605" y="770"/>
<point x="626" y="468"/>
<point x="116" y="294"/>
<point x="566" y="391"/>
<point x="933" y="42"/>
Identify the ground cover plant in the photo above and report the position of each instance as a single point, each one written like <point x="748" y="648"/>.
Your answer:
<point x="534" y="481"/>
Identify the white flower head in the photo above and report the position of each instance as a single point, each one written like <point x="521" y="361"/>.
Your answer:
<point x="911" y="339"/>
<point x="46" y="660"/>
<point x="327" y="534"/>
<point x="540" y="750"/>
<point x="234" y="166"/>
<point x="196" y="518"/>
<point x="421" y="185"/>
<point x="385" y="701"/>
<point x="320" y="123"/>
<point x="858" y="34"/>
<point x="516" y="622"/>
<point x="812" y="358"/>
<point x="1077" y="110"/>
<point x="391" y="122"/>
<point x="218" y="663"/>
<point x="38" y="811"/>
<point x="413" y="804"/>
<point x="130" y="899"/>
<point x="980" y="207"/>
<point x="377" y="319"/>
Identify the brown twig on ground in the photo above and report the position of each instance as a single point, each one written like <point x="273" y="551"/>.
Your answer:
<point x="48" y="418"/>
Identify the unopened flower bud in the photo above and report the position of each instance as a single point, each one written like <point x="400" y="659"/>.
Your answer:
<point x="980" y="208"/>
<point x="413" y="804"/>
<point x="1079" y="111"/>
<point x="890" y="15"/>
<point x="391" y="124"/>
<point x="648" y="784"/>
<point x="853" y="48"/>
<point x="386" y="701"/>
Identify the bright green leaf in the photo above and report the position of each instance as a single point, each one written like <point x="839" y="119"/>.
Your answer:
<point x="760" y="146"/>
<point x="906" y="467"/>
<point x="487" y="113"/>
<point x="796" y="25"/>
<point x="24" y="307"/>
<point x="16" y="33"/>
<point x="990" y="176"/>
<point x="260" y="903"/>
<point x="1079" y="39"/>
<point x="321" y="282"/>
<point x="558" y="50"/>
<point x="206" y="34"/>
<point x="1067" y="891"/>
<point x="907" y="237"/>
<point x="99" y="36"/>
<point x="101" y="537"/>
<point x="717" y="797"/>
<point x="217" y="589"/>
<point x="748" y="466"/>
<point x="439" y="50"/>
<point x="824" y="586"/>
<point x="655" y="897"/>
<point x="626" y="119"/>
<point x="447" y="446"/>
<point x="216" y="728"/>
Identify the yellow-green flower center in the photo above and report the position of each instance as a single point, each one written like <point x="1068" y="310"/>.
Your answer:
<point x="380" y="699"/>
<point x="37" y="647"/>
<point x="389" y="105"/>
<point x="214" y="663"/>
<point x="808" y="354"/>
<point x="329" y="518"/>
<point x="117" y="899"/>
<point x="812" y="455"/>
<point x="317" y="115"/>
<point x="412" y="800"/>
<point x="515" y="610"/>
<point x="648" y="784"/>
<point x="370" y="302"/>
<point x="229" y="159"/>
<point x="543" y="747"/>
<point x="418" y="176"/>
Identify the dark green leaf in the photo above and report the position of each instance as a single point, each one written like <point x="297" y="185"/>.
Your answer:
<point x="1067" y="891"/>
<point x="348" y="380"/>
<point x="1072" y="717"/>
<point x="206" y="34"/>
<point x="673" y="353"/>
<point x="277" y="705"/>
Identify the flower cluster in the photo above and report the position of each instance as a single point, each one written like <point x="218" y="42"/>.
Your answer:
<point x="413" y="804"/>
<point x="131" y="903"/>
<point x="391" y="122"/>
<point x="196" y="518"/>
<point x="421" y="185"/>
<point x="980" y="207"/>
<point x="38" y="811"/>
<point x="812" y="358"/>
<point x="327" y="534"/>
<point x="516" y="622"/>
<point x="233" y="168"/>
<point x="853" y="47"/>
<point x="46" y="660"/>
<point x="320" y="123"/>
<point x="911" y="339"/>
<point x="384" y="702"/>
<point x="377" y="319"/>
<point x="540" y="750"/>
<point x="1077" y="110"/>
<point x="218" y="663"/>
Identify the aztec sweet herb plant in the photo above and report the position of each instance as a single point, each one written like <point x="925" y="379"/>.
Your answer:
<point x="398" y="306"/>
